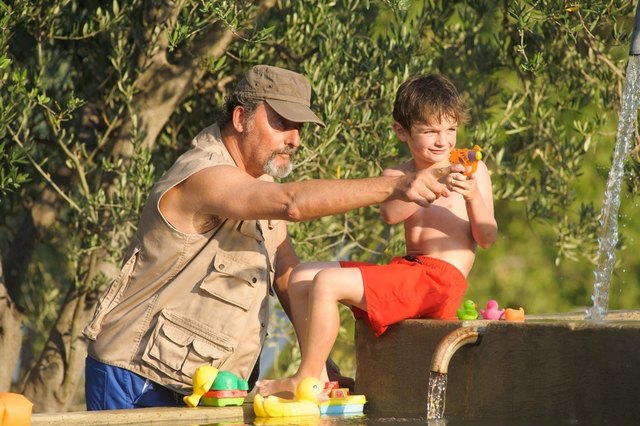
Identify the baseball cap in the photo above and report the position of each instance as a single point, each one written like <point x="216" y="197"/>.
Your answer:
<point x="287" y="92"/>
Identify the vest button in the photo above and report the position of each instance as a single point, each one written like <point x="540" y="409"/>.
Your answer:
<point x="221" y="266"/>
<point x="254" y="280"/>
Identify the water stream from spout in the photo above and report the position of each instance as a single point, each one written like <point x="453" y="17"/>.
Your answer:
<point x="608" y="239"/>
<point x="436" y="395"/>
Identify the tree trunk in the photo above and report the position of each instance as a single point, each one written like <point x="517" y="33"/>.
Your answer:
<point x="37" y="221"/>
<point x="10" y="336"/>
<point x="52" y="382"/>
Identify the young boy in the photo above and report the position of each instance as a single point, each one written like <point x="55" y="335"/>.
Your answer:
<point x="441" y="240"/>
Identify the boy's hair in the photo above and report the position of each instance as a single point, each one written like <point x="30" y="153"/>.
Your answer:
<point x="427" y="99"/>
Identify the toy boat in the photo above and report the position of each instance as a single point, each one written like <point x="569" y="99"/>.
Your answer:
<point x="306" y="403"/>
<point x="341" y="401"/>
<point x="227" y="390"/>
<point x="216" y="388"/>
<point x="224" y="398"/>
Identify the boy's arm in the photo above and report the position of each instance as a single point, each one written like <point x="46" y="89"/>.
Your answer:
<point x="478" y="195"/>
<point x="396" y="211"/>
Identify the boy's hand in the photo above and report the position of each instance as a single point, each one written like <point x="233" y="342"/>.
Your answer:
<point x="463" y="185"/>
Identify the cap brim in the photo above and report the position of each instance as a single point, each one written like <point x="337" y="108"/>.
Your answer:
<point x="295" y="112"/>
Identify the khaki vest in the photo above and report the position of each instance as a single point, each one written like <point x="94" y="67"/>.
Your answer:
<point x="184" y="300"/>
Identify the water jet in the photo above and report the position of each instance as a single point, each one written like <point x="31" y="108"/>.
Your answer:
<point x="448" y="346"/>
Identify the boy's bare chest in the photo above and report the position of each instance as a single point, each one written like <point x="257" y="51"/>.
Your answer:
<point x="442" y="213"/>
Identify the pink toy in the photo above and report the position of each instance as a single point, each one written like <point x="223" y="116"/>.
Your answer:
<point x="492" y="312"/>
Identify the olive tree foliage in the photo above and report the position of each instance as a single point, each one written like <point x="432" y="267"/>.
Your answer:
<point x="99" y="97"/>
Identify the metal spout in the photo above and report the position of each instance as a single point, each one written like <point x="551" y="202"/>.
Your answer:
<point x="635" y="38"/>
<point x="451" y="343"/>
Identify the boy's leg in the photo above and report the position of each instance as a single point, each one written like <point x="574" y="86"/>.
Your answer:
<point x="300" y="283"/>
<point x="329" y="286"/>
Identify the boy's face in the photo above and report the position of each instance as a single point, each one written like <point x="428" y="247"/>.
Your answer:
<point x="429" y="143"/>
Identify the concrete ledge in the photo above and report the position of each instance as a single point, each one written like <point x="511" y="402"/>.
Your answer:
<point x="557" y="367"/>
<point x="147" y="416"/>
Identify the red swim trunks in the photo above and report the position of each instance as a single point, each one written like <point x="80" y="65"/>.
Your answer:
<point x="408" y="287"/>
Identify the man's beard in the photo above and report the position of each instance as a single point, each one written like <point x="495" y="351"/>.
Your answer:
<point x="273" y="169"/>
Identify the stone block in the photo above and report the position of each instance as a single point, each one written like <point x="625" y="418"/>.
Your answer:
<point x="555" y="367"/>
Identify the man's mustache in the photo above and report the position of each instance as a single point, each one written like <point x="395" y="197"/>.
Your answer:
<point x="290" y="150"/>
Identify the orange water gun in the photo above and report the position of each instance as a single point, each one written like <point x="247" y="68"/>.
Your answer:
<point x="467" y="157"/>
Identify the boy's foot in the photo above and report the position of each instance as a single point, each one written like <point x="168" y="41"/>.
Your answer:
<point x="284" y="388"/>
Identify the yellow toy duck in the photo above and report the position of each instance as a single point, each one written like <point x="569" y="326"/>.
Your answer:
<point x="203" y="379"/>
<point x="304" y="404"/>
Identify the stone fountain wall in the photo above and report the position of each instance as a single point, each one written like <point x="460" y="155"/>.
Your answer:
<point x="555" y="367"/>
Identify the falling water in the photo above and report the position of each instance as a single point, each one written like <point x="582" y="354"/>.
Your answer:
<point x="608" y="238"/>
<point x="436" y="395"/>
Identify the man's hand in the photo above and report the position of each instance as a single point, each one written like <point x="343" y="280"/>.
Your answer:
<point x="426" y="186"/>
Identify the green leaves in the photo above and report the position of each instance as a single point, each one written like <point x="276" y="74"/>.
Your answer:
<point x="12" y="166"/>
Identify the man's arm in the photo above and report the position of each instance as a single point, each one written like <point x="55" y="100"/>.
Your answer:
<point x="227" y="191"/>
<point x="396" y="211"/>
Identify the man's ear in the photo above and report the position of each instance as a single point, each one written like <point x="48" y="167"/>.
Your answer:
<point x="238" y="118"/>
<point x="401" y="133"/>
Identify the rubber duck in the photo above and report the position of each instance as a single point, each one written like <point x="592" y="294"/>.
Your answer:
<point x="492" y="312"/>
<point x="304" y="404"/>
<point x="468" y="310"/>
<point x="514" y="314"/>
<point x="203" y="379"/>
<point x="15" y="409"/>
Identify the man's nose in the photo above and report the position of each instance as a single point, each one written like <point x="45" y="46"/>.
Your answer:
<point x="294" y="138"/>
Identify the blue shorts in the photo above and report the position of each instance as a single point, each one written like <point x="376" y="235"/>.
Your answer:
<point x="112" y="388"/>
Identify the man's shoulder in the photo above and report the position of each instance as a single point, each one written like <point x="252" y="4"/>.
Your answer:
<point x="208" y="146"/>
<point x="208" y="137"/>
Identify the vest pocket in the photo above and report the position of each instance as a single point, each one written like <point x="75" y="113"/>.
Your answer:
<point x="178" y="345"/>
<point x="233" y="282"/>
